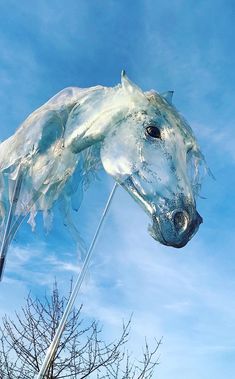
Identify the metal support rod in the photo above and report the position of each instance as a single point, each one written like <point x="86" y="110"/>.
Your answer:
<point x="54" y="344"/>
<point x="5" y="240"/>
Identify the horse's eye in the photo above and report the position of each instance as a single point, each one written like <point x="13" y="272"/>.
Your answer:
<point x="153" y="131"/>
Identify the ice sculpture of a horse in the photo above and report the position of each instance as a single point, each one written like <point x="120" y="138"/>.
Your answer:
<point x="139" y="137"/>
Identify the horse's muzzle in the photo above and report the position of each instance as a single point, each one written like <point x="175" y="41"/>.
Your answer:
<point x="175" y="228"/>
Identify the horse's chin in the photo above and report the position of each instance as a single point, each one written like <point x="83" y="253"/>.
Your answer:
<point x="157" y="235"/>
<point x="155" y="232"/>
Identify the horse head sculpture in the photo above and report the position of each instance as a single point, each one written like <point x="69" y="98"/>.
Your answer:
<point x="139" y="137"/>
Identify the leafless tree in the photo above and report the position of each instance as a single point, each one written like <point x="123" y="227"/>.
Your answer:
<point x="81" y="352"/>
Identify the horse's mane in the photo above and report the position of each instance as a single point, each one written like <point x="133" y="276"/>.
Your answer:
<point x="65" y="187"/>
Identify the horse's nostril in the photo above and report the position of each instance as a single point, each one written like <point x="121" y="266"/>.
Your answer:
<point x="180" y="220"/>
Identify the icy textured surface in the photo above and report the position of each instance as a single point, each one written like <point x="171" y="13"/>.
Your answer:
<point x="60" y="146"/>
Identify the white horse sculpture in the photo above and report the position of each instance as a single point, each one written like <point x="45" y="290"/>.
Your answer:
<point x="139" y="137"/>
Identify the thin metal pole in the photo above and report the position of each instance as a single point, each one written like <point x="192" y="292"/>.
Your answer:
<point x="54" y="344"/>
<point x="5" y="240"/>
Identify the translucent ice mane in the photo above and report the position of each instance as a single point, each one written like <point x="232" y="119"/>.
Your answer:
<point x="66" y="184"/>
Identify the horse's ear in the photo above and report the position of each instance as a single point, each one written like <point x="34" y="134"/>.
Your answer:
<point x="131" y="88"/>
<point x="168" y="96"/>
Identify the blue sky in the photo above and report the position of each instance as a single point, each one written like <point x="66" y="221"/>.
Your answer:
<point x="187" y="296"/>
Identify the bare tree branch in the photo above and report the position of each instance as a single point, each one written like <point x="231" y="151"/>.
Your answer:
<point x="81" y="352"/>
